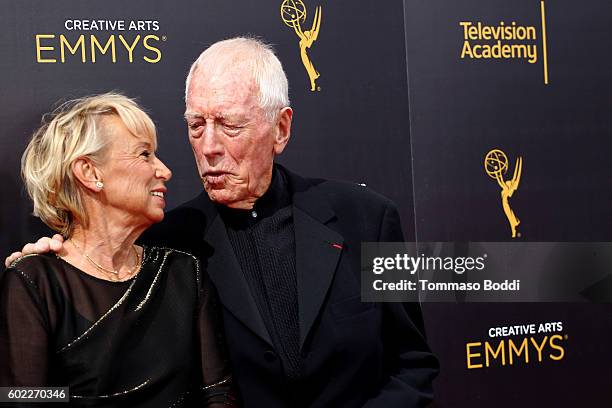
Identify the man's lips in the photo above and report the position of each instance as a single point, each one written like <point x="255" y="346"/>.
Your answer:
<point x="214" y="177"/>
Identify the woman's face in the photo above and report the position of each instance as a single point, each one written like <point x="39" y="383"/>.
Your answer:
<point x="134" y="178"/>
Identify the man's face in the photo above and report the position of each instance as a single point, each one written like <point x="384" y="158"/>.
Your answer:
<point x="233" y="142"/>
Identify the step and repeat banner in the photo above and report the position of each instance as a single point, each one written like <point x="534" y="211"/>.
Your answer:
<point x="350" y="123"/>
<point x="511" y="125"/>
<point x="485" y="121"/>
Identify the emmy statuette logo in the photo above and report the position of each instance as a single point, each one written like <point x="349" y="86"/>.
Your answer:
<point x="293" y="14"/>
<point x="496" y="166"/>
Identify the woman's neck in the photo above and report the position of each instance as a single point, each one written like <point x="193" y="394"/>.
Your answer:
<point x="104" y="249"/>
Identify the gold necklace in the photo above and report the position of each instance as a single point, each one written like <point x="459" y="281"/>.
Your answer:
<point x="114" y="272"/>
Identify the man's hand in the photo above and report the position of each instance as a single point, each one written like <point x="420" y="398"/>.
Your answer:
<point x="43" y="245"/>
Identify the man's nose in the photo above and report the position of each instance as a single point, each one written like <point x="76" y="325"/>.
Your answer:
<point x="211" y="143"/>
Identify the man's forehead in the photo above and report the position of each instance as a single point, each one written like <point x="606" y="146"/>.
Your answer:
<point x="223" y="95"/>
<point x="218" y="80"/>
<point x="232" y="112"/>
<point x="219" y="100"/>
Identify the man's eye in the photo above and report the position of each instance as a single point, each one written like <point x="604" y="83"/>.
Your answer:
<point x="195" y="126"/>
<point x="231" y="129"/>
<point x="146" y="154"/>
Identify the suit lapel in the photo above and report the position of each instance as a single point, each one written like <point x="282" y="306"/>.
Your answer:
<point x="317" y="249"/>
<point x="225" y="272"/>
<point x="316" y="259"/>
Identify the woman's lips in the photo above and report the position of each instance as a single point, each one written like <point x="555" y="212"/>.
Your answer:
<point x="160" y="195"/>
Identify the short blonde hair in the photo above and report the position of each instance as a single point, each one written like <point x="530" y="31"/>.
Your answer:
<point x="74" y="130"/>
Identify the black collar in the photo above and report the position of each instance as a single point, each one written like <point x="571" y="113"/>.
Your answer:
<point x="303" y="193"/>
<point x="276" y="197"/>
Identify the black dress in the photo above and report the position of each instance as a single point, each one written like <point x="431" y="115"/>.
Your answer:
<point x="152" y="341"/>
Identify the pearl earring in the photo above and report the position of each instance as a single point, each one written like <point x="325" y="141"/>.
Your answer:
<point x="99" y="184"/>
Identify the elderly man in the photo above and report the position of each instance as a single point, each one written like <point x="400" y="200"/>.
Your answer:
<point x="284" y="251"/>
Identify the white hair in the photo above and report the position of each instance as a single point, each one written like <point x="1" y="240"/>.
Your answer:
<point x="257" y="57"/>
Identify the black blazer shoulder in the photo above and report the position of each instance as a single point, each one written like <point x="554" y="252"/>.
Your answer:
<point x="353" y="210"/>
<point x="184" y="227"/>
<point x="341" y="196"/>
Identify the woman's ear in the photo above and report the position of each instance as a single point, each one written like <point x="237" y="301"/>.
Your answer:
<point x="87" y="174"/>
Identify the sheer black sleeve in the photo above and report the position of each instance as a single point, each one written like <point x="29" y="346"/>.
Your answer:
<point x="218" y="387"/>
<point x="23" y="332"/>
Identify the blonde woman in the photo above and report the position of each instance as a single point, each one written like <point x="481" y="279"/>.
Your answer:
<point x="120" y="324"/>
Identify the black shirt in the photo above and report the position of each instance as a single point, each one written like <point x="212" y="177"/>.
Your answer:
<point x="263" y="240"/>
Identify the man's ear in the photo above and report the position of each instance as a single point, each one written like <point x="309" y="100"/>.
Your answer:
<point x="87" y="174"/>
<point x="283" y="129"/>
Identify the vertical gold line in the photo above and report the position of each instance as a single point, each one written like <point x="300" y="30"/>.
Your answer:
<point x="544" y="43"/>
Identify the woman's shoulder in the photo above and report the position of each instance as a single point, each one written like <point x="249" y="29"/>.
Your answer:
<point x="180" y="265"/>
<point x="169" y="256"/>
<point x="35" y="260"/>
<point x="156" y="251"/>
<point x="35" y="268"/>
<point x="40" y="272"/>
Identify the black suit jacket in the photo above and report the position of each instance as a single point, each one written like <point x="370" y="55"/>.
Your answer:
<point x="353" y="354"/>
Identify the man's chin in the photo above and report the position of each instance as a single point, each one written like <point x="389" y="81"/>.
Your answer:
<point x="218" y="196"/>
<point x="229" y="200"/>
